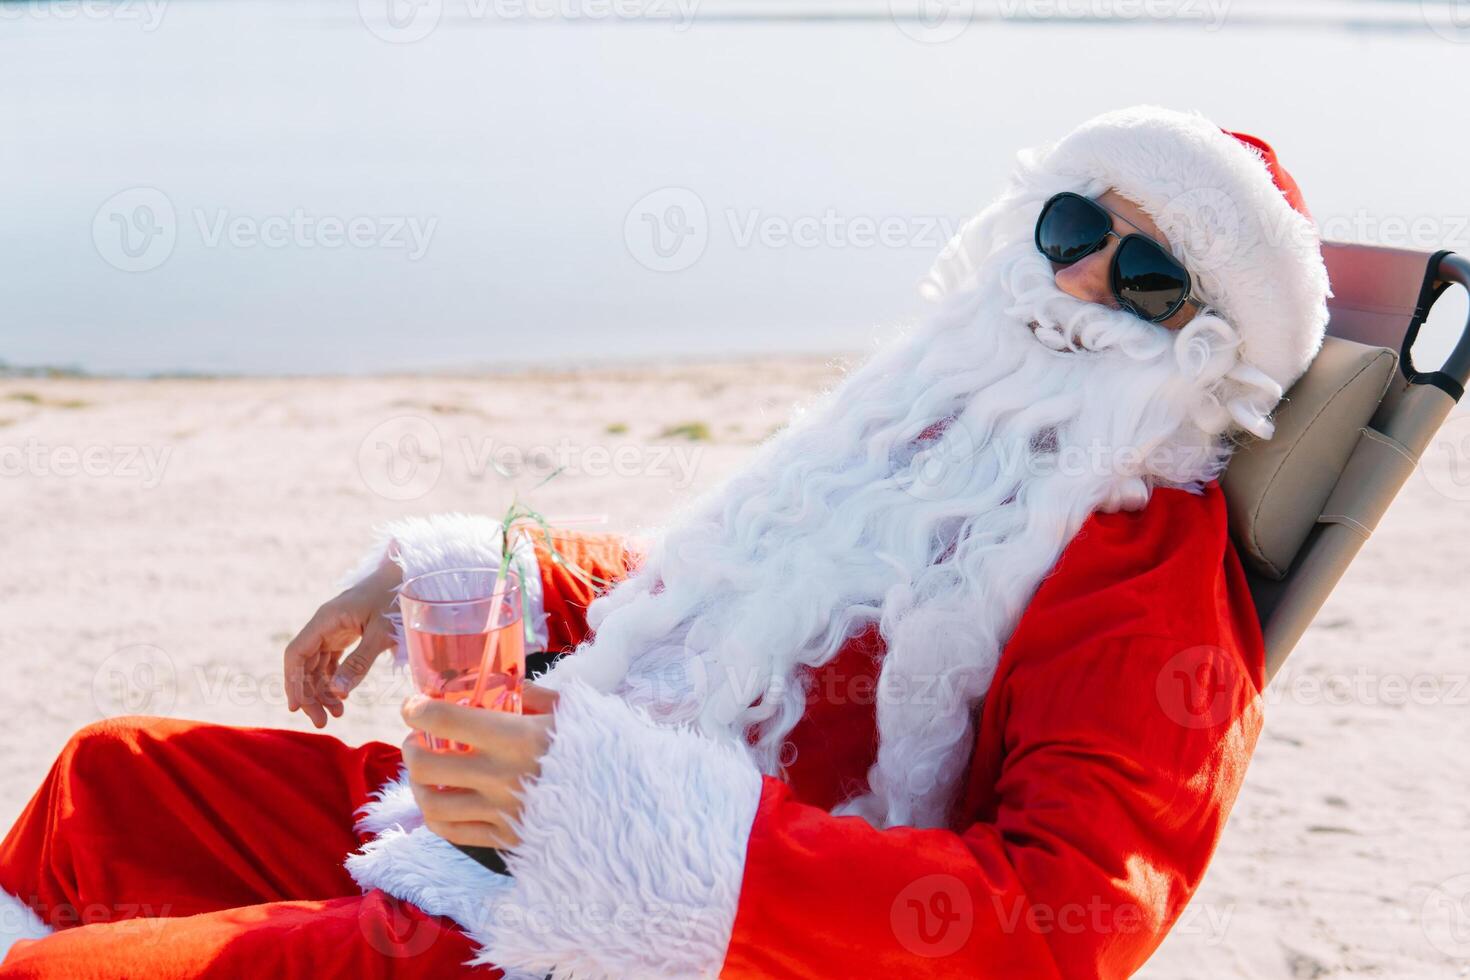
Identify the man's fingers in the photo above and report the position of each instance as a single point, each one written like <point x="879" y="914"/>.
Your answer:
<point x="458" y="785"/>
<point x="306" y="687"/>
<point x="378" y="636"/>
<point x="316" y="713"/>
<point x="359" y="662"/>
<point x="320" y="639"/>
<point x="538" y="700"/>
<point x="302" y="648"/>
<point x="454" y="770"/>
<point x="483" y="729"/>
<point x="462" y="805"/>
<point x="351" y="672"/>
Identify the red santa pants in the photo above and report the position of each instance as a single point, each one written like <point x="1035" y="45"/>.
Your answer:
<point x="169" y="849"/>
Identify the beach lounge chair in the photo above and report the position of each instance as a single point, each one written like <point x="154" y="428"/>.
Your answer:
<point x="1348" y="435"/>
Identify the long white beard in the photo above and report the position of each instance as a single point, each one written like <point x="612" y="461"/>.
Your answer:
<point x="856" y="516"/>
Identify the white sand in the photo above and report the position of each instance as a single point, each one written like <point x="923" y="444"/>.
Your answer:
<point x="173" y="591"/>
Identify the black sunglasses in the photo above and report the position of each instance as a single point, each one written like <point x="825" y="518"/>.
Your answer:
<point x="1146" y="280"/>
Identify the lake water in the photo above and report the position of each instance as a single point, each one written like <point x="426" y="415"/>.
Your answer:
<point x="345" y="187"/>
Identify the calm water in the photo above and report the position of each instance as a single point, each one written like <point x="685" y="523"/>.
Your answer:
<point x="325" y="187"/>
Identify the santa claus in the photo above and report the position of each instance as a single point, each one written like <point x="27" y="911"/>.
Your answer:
<point x="958" y="677"/>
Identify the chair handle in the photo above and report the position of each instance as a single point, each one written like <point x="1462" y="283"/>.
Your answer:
<point x="1445" y="269"/>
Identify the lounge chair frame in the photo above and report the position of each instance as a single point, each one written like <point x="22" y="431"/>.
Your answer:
<point x="1382" y="298"/>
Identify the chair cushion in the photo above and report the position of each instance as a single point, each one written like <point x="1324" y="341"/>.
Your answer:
<point x="1275" y="488"/>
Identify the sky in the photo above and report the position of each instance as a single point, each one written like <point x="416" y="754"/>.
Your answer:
<point x="465" y="184"/>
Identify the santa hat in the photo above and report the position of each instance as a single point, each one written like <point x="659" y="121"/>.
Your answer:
<point x="1232" y="215"/>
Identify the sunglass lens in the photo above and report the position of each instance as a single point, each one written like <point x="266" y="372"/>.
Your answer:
<point x="1071" y="228"/>
<point x="1148" y="280"/>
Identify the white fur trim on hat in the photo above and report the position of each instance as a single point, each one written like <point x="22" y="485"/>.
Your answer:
<point x="1256" y="260"/>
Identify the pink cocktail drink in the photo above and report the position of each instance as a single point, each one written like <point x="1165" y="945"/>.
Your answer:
<point x="465" y="639"/>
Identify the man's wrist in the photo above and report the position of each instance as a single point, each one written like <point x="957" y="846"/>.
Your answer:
<point x="383" y="582"/>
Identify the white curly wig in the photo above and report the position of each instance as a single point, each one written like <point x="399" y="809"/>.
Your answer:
<point x="927" y="496"/>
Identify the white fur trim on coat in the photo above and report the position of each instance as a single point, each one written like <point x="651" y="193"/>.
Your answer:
<point x="631" y="859"/>
<point x="416" y="865"/>
<point x="433" y="544"/>
<point x="18" y="921"/>
<point x="392" y="806"/>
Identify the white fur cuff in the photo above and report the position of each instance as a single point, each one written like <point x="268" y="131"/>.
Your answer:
<point x="632" y="849"/>
<point x="631" y="859"/>
<point x="433" y="544"/>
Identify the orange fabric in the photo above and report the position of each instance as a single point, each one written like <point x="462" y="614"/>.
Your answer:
<point x="1110" y="748"/>
<point x="608" y="557"/>
<point x="169" y="849"/>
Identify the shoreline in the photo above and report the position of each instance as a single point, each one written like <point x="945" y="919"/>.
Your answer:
<point x="541" y="368"/>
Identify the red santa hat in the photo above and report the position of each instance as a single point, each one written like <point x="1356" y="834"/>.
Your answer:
<point x="1232" y="215"/>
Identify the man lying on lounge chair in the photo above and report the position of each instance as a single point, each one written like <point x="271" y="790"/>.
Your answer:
<point x="959" y="677"/>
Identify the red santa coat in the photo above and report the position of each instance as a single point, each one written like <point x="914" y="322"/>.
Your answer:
<point x="1110" y="748"/>
<point x="1108" y="752"/>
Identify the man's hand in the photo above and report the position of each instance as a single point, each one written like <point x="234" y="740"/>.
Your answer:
<point x="317" y="678"/>
<point x="471" y="797"/>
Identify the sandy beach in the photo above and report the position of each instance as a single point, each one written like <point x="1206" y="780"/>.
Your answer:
<point x="164" y="538"/>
